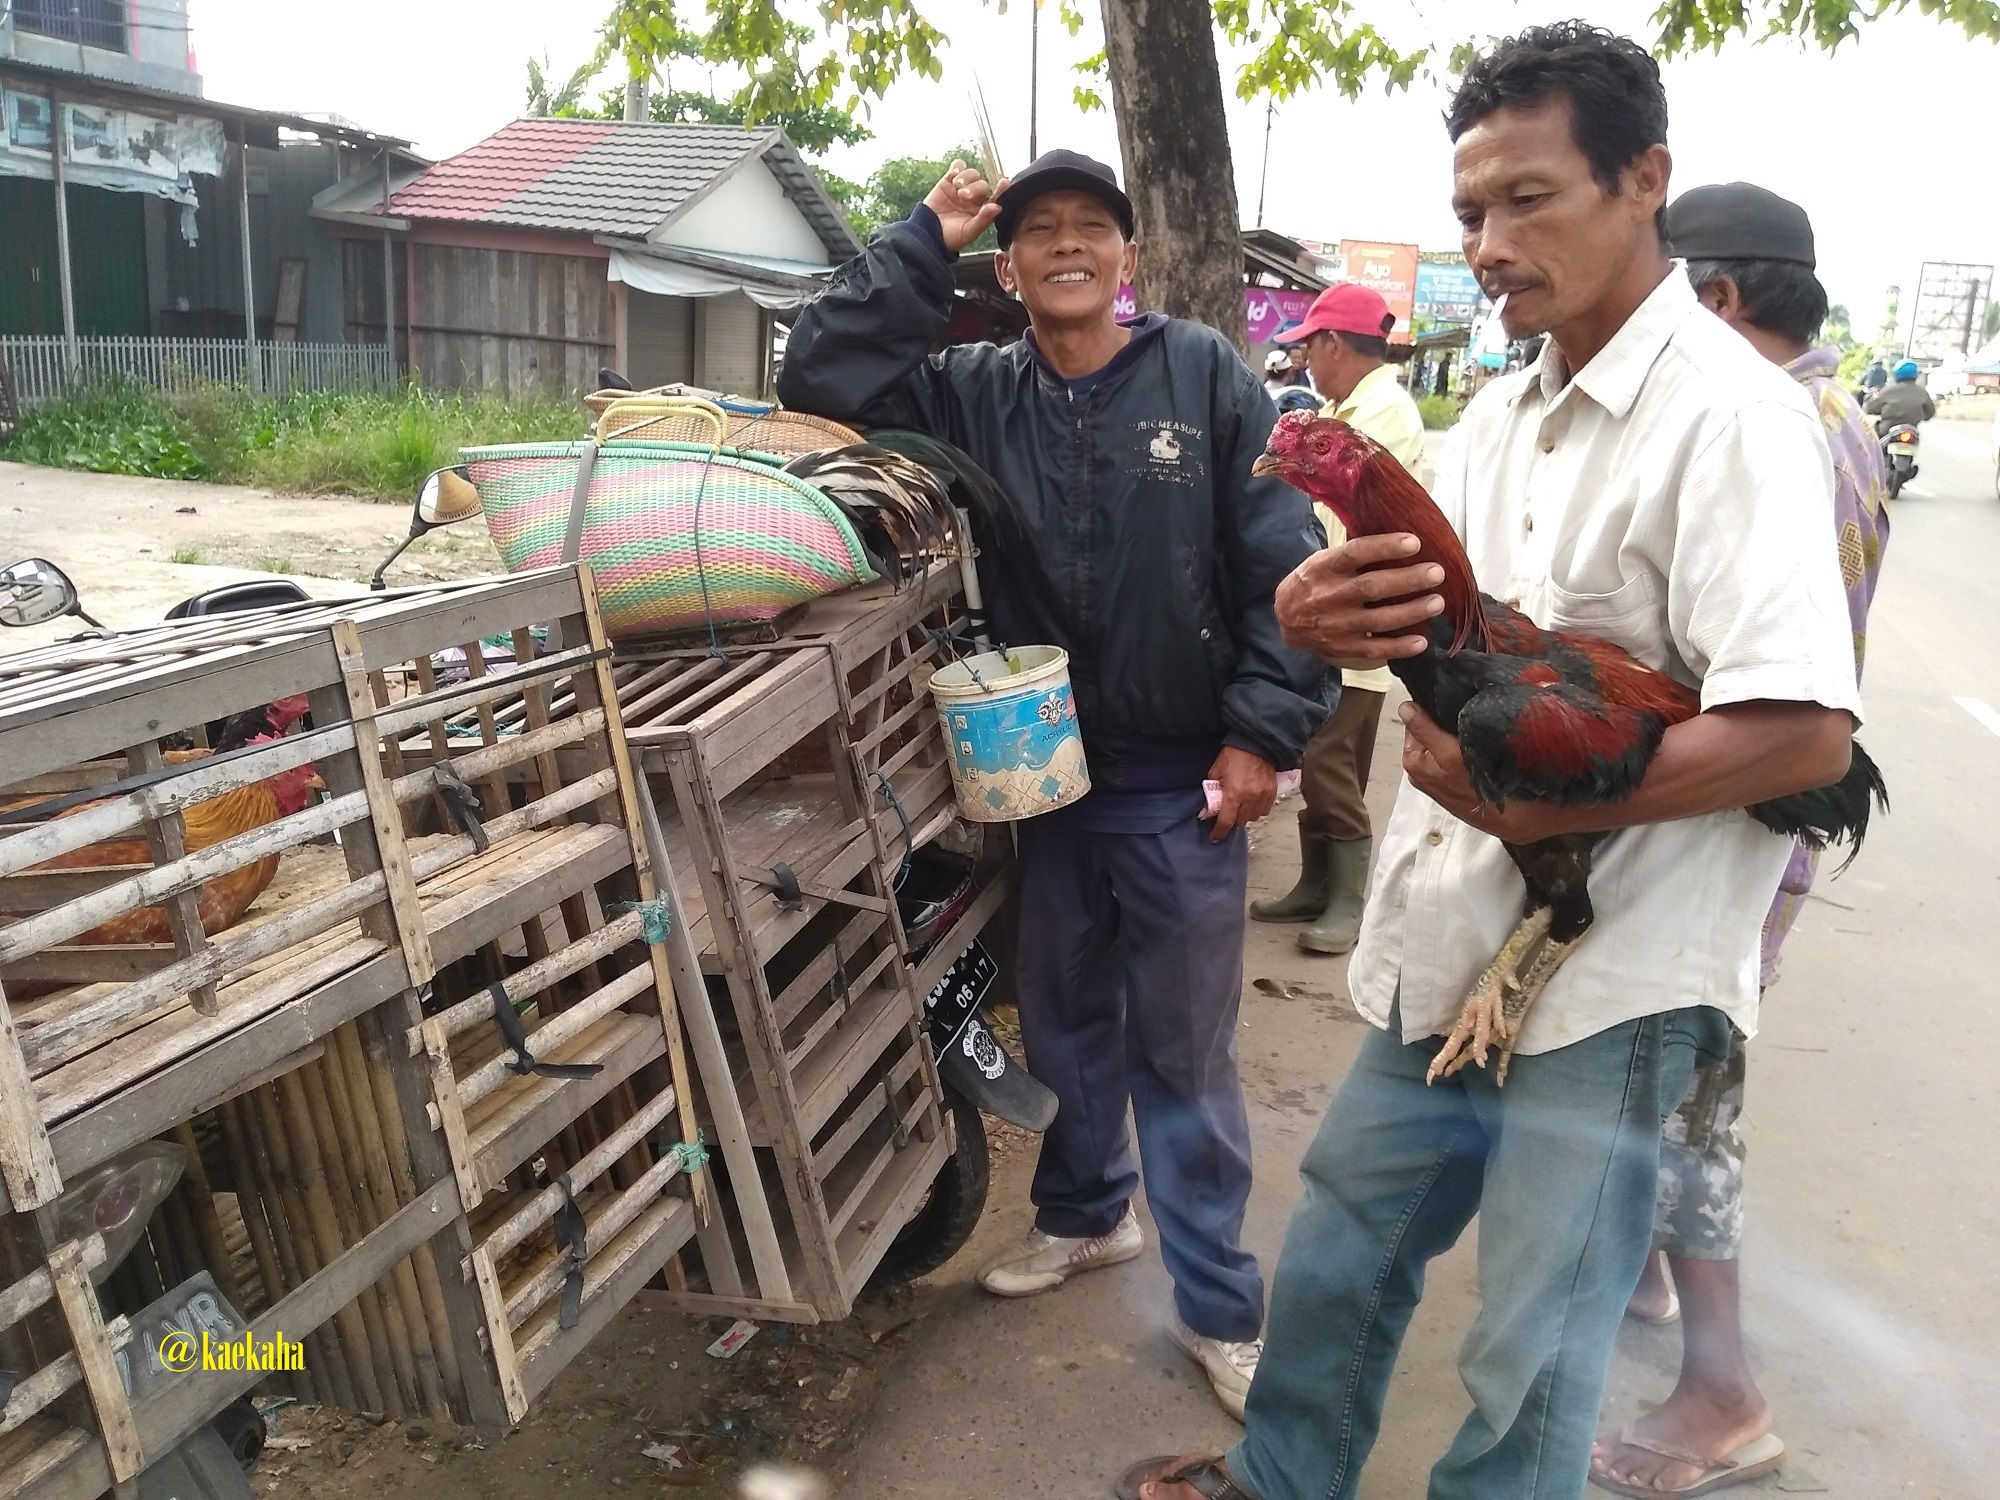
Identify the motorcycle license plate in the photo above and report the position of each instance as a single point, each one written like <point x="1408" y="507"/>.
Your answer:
<point x="1902" y="450"/>
<point x="967" y="981"/>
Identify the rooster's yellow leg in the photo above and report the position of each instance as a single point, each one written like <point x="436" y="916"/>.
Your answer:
<point x="1525" y="990"/>
<point x="1481" y="1019"/>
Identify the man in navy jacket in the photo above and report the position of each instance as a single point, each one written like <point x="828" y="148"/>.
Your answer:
<point x="1144" y="548"/>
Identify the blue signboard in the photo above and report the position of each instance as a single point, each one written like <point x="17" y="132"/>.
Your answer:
<point x="1447" y="292"/>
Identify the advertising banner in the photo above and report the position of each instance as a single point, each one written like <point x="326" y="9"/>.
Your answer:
<point x="1390" y="270"/>
<point x="1266" y="312"/>
<point x="1447" y="291"/>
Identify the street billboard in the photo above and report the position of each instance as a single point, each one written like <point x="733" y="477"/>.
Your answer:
<point x="1390" y="270"/>
<point x="1447" y="292"/>
<point x="1266" y="311"/>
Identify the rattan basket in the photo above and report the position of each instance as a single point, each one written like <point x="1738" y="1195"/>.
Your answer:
<point x="751" y="427"/>
<point x="679" y="535"/>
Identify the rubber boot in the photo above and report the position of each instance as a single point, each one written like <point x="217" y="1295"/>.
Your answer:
<point x="1339" y="925"/>
<point x="1306" y="900"/>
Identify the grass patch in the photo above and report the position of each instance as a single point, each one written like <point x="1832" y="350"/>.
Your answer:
<point x="378" y="446"/>
<point x="186" y="556"/>
<point x="1439" y="412"/>
<point x="270" y="563"/>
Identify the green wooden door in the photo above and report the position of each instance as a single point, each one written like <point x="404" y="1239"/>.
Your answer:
<point x="107" y="240"/>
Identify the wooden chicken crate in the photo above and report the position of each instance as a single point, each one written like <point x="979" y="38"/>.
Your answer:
<point x="136" y="1041"/>
<point x="789" y="781"/>
<point x="789" y="777"/>
<point x="353" y="1066"/>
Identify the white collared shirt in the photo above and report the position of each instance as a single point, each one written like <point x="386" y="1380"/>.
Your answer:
<point x="1674" y="497"/>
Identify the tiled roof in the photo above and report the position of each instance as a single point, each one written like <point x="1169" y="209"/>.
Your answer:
<point x="588" y="176"/>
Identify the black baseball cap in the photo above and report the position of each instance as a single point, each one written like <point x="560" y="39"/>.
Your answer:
<point x="1060" y="172"/>
<point x="1739" y="221"/>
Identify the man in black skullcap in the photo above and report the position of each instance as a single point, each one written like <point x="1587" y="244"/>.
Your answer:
<point x="1749" y="255"/>
<point x="1147" y="551"/>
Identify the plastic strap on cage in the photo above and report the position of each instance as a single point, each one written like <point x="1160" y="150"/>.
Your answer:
<point x="572" y="1233"/>
<point x="692" y="1155"/>
<point x="656" y="917"/>
<point x="462" y="802"/>
<point x="785" y="881"/>
<point x="516" y="1037"/>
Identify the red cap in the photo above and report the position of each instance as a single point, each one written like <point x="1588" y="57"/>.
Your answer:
<point x="1344" y="307"/>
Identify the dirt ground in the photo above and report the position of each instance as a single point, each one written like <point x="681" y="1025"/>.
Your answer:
<point x="644" y="1411"/>
<point x="136" y="547"/>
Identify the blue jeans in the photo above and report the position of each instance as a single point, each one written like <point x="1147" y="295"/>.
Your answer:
<point x="1562" y="1165"/>
<point x="1129" y="976"/>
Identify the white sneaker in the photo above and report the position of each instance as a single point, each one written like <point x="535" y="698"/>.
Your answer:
<point x="1230" y="1366"/>
<point x="1043" y="1261"/>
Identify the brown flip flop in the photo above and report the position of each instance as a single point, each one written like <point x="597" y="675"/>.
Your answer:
<point x="1206" y="1475"/>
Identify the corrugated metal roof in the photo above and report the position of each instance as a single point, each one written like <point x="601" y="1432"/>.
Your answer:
<point x="588" y="176"/>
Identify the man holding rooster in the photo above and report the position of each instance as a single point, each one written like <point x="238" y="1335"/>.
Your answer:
<point x="1126" y="528"/>
<point x="1652" y="485"/>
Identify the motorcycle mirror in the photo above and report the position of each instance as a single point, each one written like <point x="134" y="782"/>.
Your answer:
<point x="34" y="591"/>
<point x="445" y="497"/>
<point x="117" y="1197"/>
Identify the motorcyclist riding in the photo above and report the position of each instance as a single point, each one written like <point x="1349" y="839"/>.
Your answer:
<point x="1902" y="401"/>
<point x="1898" y="408"/>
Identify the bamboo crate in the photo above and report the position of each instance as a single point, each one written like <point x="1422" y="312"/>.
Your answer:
<point x="789" y="782"/>
<point x="388" y="1168"/>
<point x="138" y="1041"/>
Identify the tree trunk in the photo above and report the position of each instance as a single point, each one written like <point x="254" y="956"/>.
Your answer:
<point x="1166" y="94"/>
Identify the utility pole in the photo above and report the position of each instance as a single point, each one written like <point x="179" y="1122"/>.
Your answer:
<point x="1263" y="175"/>
<point x="1034" y="75"/>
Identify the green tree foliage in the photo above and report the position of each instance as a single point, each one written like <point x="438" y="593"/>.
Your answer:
<point x="857" y="48"/>
<point x="899" y="185"/>
<point x="1839" y="330"/>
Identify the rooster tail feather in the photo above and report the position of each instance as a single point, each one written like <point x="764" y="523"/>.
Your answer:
<point x="1832" y="814"/>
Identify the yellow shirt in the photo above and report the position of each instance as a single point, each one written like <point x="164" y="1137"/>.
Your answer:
<point x="1380" y="407"/>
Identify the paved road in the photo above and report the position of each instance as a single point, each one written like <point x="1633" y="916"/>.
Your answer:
<point x="1874" y="1198"/>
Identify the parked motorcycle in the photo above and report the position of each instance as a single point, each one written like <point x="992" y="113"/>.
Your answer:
<point x="1899" y="456"/>
<point x="34" y="591"/>
<point x="979" y="1076"/>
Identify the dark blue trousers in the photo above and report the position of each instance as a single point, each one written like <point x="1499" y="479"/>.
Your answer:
<point x="1129" y="975"/>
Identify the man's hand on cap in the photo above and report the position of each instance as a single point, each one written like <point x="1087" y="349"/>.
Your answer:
<point x="964" y="205"/>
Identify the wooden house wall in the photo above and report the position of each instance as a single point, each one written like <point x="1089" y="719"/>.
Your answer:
<point x="518" y="322"/>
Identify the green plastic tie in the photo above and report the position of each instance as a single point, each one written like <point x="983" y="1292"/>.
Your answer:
<point x="656" y="917"/>
<point x="693" y="1157"/>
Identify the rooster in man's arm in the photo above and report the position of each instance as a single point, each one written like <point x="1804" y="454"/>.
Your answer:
<point x="1546" y="740"/>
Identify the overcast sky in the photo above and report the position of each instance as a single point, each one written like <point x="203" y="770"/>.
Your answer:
<point x="1889" y="144"/>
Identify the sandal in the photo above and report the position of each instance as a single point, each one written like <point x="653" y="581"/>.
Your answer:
<point x="1759" y="1456"/>
<point x="1206" y="1475"/>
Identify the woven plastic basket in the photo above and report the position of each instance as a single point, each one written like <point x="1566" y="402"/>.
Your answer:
<point x="750" y="427"/>
<point x="678" y="535"/>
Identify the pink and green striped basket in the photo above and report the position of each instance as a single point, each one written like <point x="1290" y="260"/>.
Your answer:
<point x="678" y="535"/>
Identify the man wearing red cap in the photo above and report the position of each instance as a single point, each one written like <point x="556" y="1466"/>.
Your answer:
<point x="1346" y="344"/>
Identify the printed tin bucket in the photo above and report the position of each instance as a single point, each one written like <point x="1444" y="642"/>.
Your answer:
<point x="1010" y="722"/>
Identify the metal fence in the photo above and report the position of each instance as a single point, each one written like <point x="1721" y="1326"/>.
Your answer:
<point x="40" y="366"/>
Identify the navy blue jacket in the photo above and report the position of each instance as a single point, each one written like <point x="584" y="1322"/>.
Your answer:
<point x="1149" y="553"/>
